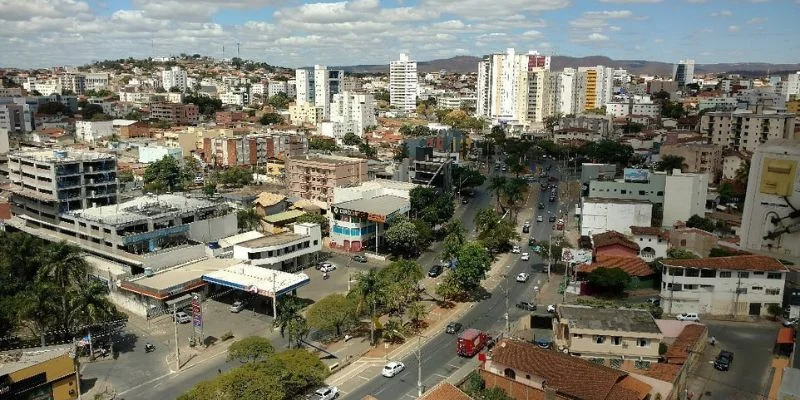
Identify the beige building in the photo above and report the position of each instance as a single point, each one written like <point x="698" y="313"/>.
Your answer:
<point x="607" y="336"/>
<point x="313" y="177"/>
<point x="305" y="113"/>
<point x="698" y="158"/>
<point x="746" y="130"/>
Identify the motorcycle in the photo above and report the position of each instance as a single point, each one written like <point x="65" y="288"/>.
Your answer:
<point x="149" y="347"/>
<point x="325" y="276"/>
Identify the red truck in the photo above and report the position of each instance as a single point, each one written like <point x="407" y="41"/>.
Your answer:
<point x="470" y="342"/>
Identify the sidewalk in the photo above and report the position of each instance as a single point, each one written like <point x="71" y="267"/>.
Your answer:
<point x="778" y="365"/>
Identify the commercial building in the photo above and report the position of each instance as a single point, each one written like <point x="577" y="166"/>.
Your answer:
<point x="745" y="130"/>
<point x="635" y="185"/>
<point x="40" y="373"/>
<point x="737" y="286"/>
<point x="607" y="336"/>
<point x="284" y="251"/>
<point x="403" y="84"/>
<point x="770" y="221"/>
<point x="524" y="371"/>
<point x="46" y="183"/>
<point x="700" y="158"/>
<point x="174" y="77"/>
<point x="175" y="113"/>
<point x="683" y="72"/>
<point x="600" y="215"/>
<point x="314" y="177"/>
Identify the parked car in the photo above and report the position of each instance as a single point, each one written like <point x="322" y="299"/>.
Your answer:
<point x="327" y="267"/>
<point x="321" y="264"/>
<point x="544" y="343"/>
<point x="526" y="305"/>
<point x="552" y="218"/>
<point x="791" y="322"/>
<point x="392" y="368"/>
<point x="522" y="277"/>
<point x="525" y="257"/>
<point x="182" y="318"/>
<point x="515" y="250"/>
<point x="236" y="306"/>
<point x="326" y="393"/>
<point x="359" y="258"/>
<point x="551" y="308"/>
<point x="453" y="327"/>
<point x="526" y="229"/>
<point x="541" y="206"/>
<point x="654" y="301"/>
<point x="435" y="271"/>
<point x="539" y="218"/>
<point x="724" y="360"/>
<point x="688" y="317"/>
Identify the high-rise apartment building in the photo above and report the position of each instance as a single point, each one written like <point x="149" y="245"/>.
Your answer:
<point x="683" y="72"/>
<point x="791" y="87"/>
<point x="598" y="86"/>
<point x="322" y="90"/>
<point x="565" y="89"/>
<point x="403" y="84"/>
<point x="304" y="86"/>
<point x="353" y="112"/>
<point x="318" y="87"/>
<point x="174" y="78"/>
<point x="510" y="83"/>
<point x="746" y="130"/>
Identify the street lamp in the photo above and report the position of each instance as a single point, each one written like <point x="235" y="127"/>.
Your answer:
<point x="419" y="361"/>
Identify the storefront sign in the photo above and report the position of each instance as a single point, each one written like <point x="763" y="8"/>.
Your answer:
<point x="376" y="218"/>
<point x="349" y="213"/>
<point x="197" y="315"/>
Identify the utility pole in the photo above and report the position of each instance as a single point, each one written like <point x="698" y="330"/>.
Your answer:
<point x="505" y="291"/>
<point x="175" y="322"/>
<point x="549" y="254"/>
<point x="419" y="366"/>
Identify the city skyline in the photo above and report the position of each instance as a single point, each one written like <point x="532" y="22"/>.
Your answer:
<point x="68" y="32"/>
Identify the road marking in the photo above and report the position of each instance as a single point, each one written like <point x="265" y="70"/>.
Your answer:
<point x="453" y="366"/>
<point x="363" y="377"/>
<point x="441" y="376"/>
<point x="158" y="378"/>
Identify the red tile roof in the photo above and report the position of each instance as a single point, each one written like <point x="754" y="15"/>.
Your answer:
<point x="572" y="376"/>
<point x="645" y="230"/>
<point x="734" y="263"/>
<point x="679" y="350"/>
<point x="633" y="266"/>
<point x="612" y="237"/>
<point x="445" y="391"/>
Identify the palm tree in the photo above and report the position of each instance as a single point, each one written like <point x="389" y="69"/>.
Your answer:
<point x="248" y="220"/>
<point x="89" y="304"/>
<point x="416" y="313"/>
<point x="39" y="308"/>
<point x="288" y="318"/>
<point x="369" y="287"/>
<point x="742" y="173"/>
<point x="496" y="185"/>
<point x="63" y="265"/>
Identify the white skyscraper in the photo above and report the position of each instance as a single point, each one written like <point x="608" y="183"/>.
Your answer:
<point x="304" y="84"/>
<point x="791" y="86"/>
<point x="509" y="84"/>
<point x="322" y="90"/>
<point x="683" y="72"/>
<point x="403" y="83"/>
<point x="353" y="112"/>
<point x="565" y="92"/>
<point x="597" y="86"/>
<point x="174" y="77"/>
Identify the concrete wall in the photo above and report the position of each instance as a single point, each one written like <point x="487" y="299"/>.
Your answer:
<point x="684" y="196"/>
<point x="213" y="229"/>
<point x="173" y="256"/>
<point x="602" y="216"/>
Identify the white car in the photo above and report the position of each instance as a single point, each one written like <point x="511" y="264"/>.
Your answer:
<point x="551" y="309"/>
<point x="182" y="318"/>
<point x="688" y="317"/>
<point x="392" y="368"/>
<point x="515" y="250"/>
<point x="327" y="267"/>
<point x="539" y="218"/>
<point x="522" y="277"/>
<point x="525" y="257"/>
<point x="236" y="306"/>
<point x="326" y="393"/>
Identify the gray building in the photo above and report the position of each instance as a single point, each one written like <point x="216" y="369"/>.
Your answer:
<point x="599" y="123"/>
<point x="46" y="183"/>
<point x="591" y="172"/>
<point x="651" y="190"/>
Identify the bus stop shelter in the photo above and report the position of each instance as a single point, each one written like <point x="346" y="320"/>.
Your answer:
<point x="258" y="280"/>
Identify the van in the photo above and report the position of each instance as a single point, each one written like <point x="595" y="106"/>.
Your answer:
<point x="688" y="317"/>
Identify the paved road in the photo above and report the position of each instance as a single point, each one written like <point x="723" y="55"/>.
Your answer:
<point x="751" y="344"/>
<point x="439" y="359"/>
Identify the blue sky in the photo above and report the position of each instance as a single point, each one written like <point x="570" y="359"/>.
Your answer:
<point x="298" y="33"/>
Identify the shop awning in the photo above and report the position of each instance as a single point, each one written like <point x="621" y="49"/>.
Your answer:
<point x="263" y="281"/>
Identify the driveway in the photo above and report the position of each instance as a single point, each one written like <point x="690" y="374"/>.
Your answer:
<point x="751" y="344"/>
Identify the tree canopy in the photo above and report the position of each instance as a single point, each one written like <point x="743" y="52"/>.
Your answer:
<point x="402" y="238"/>
<point x="270" y="119"/>
<point x="205" y="104"/>
<point x="164" y="175"/>
<point x="249" y="349"/>
<point x="609" y="280"/>
<point x="332" y="313"/>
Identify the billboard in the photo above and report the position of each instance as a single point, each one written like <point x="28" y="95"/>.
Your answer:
<point x="576" y="256"/>
<point x="197" y="315"/>
<point x="635" y="175"/>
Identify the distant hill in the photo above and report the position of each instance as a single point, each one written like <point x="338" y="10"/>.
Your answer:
<point x="467" y="64"/>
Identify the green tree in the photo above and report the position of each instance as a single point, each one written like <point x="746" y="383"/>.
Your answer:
<point x="90" y="111"/>
<point x="416" y="313"/>
<point x="474" y="261"/>
<point x="322" y="144"/>
<point x="351" y="139"/>
<point x="493" y="232"/>
<point x="420" y="198"/>
<point x="401" y="152"/>
<point x="680" y="253"/>
<point x="205" y="104"/>
<point x="55" y="108"/>
<point x="465" y="178"/>
<point x="299" y="371"/>
<point x="497" y="184"/>
<point x="313" y="218"/>
<point x="209" y="189"/>
<point x="696" y="221"/>
<point x="369" y="288"/>
<point x="670" y="162"/>
<point x="280" y="101"/>
<point x="250" y="349"/>
<point x="402" y="238"/>
<point x="551" y="121"/>
<point x="392" y="331"/>
<point x="248" y="220"/>
<point x="448" y="289"/>
<point x="369" y="151"/>
<point x="291" y="323"/>
<point x="332" y="313"/>
<point x="608" y="151"/>
<point x="609" y="280"/>
<point x="163" y="175"/>
<point x="270" y="119"/>
<point x="455" y="237"/>
<point x="774" y="309"/>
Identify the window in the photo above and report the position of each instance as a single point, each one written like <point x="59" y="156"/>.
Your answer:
<point x="758" y="272"/>
<point x="615" y="362"/>
<point x="774" y="275"/>
<point x="675" y="288"/>
<point x="598" y="361"/>
<point x="773" y="292"/>
<point x="756" y="288"/>
<point x="674" y="271"/>
<point x="683" y="242"/>
<point x="693" y="272"/>
<point x="642" y="193"/>
<point x="742" y="290"/>
<point x="616" y="340"/>
<point x="315" y="242"/>
<point x="642" y="342"/>
<point x="660" y="193"/>
<point x="641" y="364"/>
<point x="599" y="339"/>
<point x="744" y="274"/>
<point x="577" y="336"/>
<point x="509" y="373"/>
<point x="708" y="273"/>
<point x="725" y="274"/>
<point x="689" y="287"/>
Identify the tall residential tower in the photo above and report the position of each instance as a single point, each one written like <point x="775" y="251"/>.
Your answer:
<point x="403" y="83"/>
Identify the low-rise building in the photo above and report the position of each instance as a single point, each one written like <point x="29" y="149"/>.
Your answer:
<point x="40" y="373"/>
<point x="361" y="224"/>
<point x="284" y="251"/>
<point x="684" y="196"/>
<point x="653" y="242"/>
<point x="91" y="131"/>
<point x="314" y="177"/>
<point x="175" y="113"/>
<point x="696" y="240"/>
<point x="602" y="215"/>
<point x="613" y="243"/>
<point x="737" y="286"/>
<point x="698" y="158"/>
<point x="607" y="336"/>
<point x="305" y="113"/>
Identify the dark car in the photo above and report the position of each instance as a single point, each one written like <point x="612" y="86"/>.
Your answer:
<point x="552" y="199"/>
<point x="724" y="360"/>
<point x="435" y="271"/>
<point x="541" y="206"/>
<point x="359" y="258"/>
<point x="526" y="305"/>
<point x="544" y="343"/>
<point x="464" y="200"/>
<point x="552" y="218"/>
<point x="526" y="229"/>
<point x="531" y="241"/>
<point x="453" y="328"/>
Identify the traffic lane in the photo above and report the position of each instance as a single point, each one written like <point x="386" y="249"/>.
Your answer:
<point x="439" y="357"/>
<point x="751" y="345"/>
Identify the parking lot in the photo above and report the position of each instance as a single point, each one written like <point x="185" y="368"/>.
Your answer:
<point x="748" y="377"/>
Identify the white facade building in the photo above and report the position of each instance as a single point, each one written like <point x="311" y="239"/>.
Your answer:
<point x="653" y="242"/>
<point x="91" y="131"/>
<point x="773" y="193"/>
<point x="282" y="251"/>
<point x="403" y="84"/>
<point x="276" y="87"/>
<point x="684" y="196"/>
<point x="729" y="286"/>
<point x="96" y="81"/>
<point x="565" y="92"/>
<point x="304" y="81"/>
<point x="150" y="154"/>
<point x="258" y="89"/>
<point x="174" y="77"/>
<point x="237" y="97"/>
<point x="791" y="87"/>
<point x="322" y="90"/>
<point x="636" y="105"/>
<point x="354" y="112"/>
<point x="746" y="130"/>
<point x="683" y="72"/>
<point x="602" y="215"/>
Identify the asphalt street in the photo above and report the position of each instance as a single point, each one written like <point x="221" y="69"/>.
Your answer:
<point x="439" y="359"/>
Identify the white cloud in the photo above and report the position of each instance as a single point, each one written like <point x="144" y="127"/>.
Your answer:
<point x="532" y="34"/>
<point x="696" y="1"/>
<point x="756" y="21"/>
<point x="723" y="13"/>
<point x="614" y="28"/>
<point x="599" y="19"/>
<point x="597" y="37"/>
<point x="479" y="9"/>
<point x="733" y="28"/>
